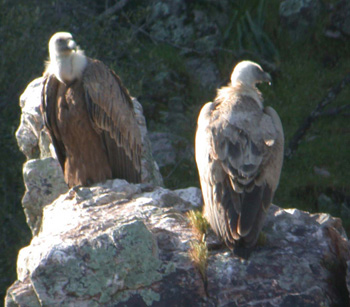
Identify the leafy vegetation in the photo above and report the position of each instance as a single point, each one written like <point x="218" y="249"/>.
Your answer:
<point x="245" y="32"/>
<point x="154" y="69"/>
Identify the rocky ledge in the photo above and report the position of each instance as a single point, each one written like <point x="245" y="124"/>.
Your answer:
<point x="120" y="244"/>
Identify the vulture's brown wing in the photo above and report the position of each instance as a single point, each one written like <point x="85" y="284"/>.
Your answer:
<point x="211" y="175"/>
<point x="242" y="171"/>
<point x="49" y="111"/>
<point x="111" y="111"/>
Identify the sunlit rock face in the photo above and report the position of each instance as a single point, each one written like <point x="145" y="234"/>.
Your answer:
<point x="110" y="243"/>
<point x="127" y="244"/>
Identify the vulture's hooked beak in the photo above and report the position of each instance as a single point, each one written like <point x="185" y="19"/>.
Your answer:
<point x="267" y="78"/>
<point x="72" y="45"/>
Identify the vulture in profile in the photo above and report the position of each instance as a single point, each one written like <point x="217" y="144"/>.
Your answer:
<point x="90" y="117"/>
<point x="239" y="154"/>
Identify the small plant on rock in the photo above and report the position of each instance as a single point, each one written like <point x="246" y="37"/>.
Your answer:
<point x="199" y="224"/>
<point x="199" y="255"/>
<point x="198" y="248"/>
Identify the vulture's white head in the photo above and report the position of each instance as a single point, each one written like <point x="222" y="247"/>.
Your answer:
<point x="67" y="61"/>
<point x="249" y="74"/>
<point x="61" y="44"/>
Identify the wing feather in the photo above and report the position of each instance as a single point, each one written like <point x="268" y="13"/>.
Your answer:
<point x="111" y="112"/>
<point x="49" y="112"/>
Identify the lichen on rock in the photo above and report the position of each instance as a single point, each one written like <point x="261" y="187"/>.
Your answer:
<point x="124" y="257"/>
<point x="126" y="244"/>
<point x="43" y="179"/>
<point x="101" y="245"/>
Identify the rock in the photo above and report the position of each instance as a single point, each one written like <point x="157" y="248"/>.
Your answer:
<point x="327" y="204"/>
<point x="44" y="182"/>
<point x="169" y="148"/>
<point x="320" y="171"/>
<point x="348" y="276"/>
<point x="339" y="26"/>
<point x="174" y="22"/>
<point x="290" y="269"/>
<point x="106" y="244"/>
<point x="163" y="150"/>
<point x="43" y="177"/>
<point x="22" y="295"/>
<point x="192" y="195"/>
<point x="204" y="71"/>
<point x="168" y="22"/>
<point x="28" y="132"/>
<point x="298" y="16"/>
<point x="150" y="171"/>
<point x="117" y="244"/>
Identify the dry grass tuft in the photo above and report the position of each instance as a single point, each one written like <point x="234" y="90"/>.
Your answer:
<point x="199" y="224"/>
<point x="199" y="255"/>
<point x="198" y="248"/>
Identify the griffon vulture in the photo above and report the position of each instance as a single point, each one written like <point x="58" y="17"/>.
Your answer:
<point x="239" y="155"/>
<point x="90" y="117"/>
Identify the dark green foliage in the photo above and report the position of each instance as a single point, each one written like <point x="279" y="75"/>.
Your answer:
<point x="246" y="30"/>
<point x="155" y="71"/>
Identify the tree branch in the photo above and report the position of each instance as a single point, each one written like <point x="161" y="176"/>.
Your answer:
<point x="113" y="9"/>
<point x="330" y="97"/>
<point x="335" y="111"/>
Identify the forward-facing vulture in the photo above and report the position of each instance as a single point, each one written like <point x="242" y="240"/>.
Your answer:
<point x="90" y="117"/>
<point x="239" y="155"/>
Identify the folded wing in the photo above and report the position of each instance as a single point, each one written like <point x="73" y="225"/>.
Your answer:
<point x="111" y="112"/>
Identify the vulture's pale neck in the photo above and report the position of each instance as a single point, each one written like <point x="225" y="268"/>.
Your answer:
<point x="248" y="89"/>
<point x="67" y="67"/>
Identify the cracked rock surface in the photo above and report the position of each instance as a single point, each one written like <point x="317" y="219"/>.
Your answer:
<point x="123" y="244"/>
